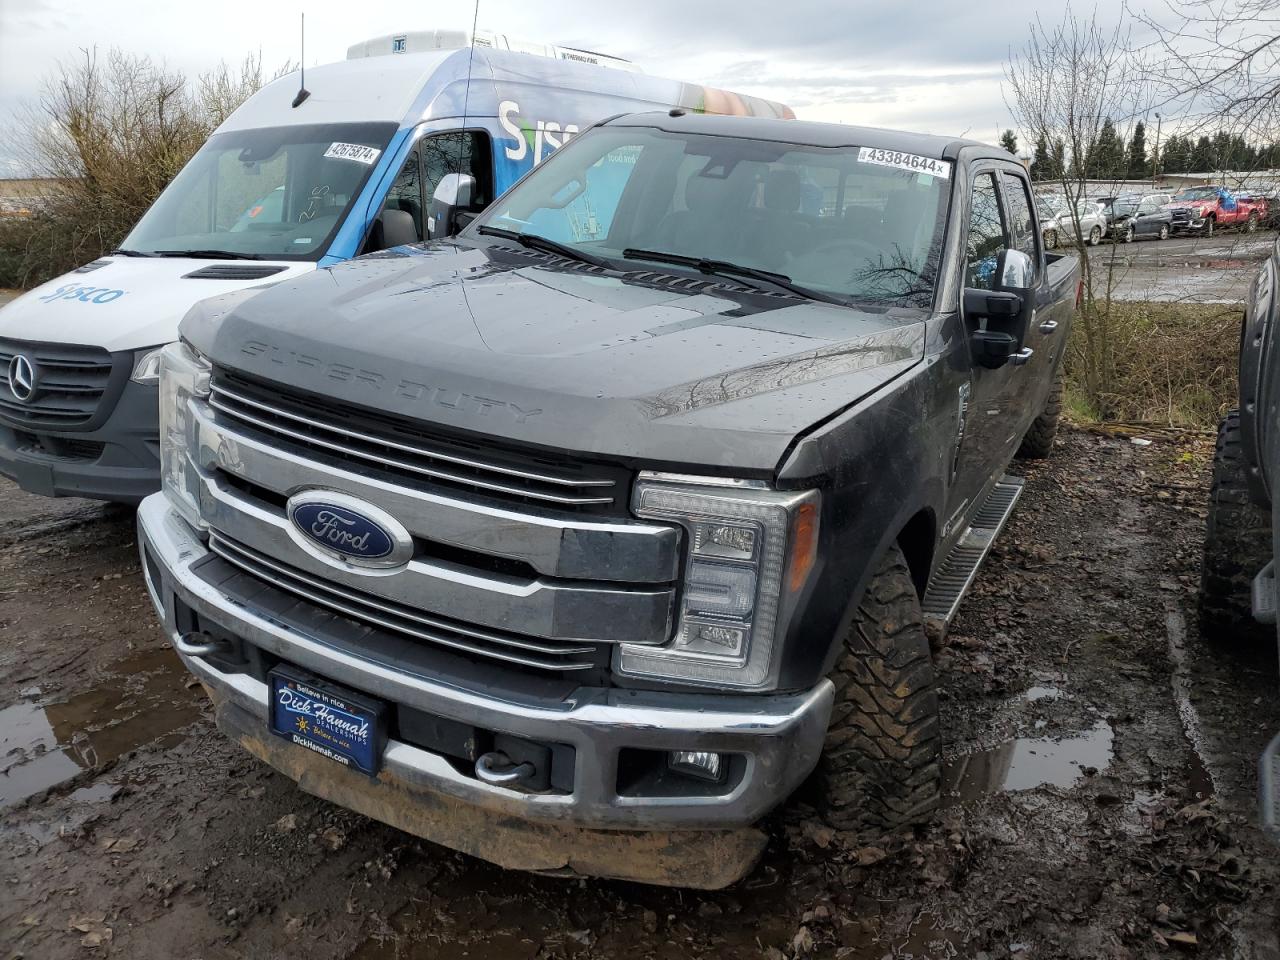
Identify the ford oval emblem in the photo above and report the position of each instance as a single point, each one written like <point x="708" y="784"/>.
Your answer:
<point x="337" y="526"/>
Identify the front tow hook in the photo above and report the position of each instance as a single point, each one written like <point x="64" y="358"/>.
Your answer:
<point x="496" y="768"/>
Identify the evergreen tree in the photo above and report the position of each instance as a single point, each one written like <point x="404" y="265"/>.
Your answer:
<point x="1202" y="159"/>
<point x="1009" y="140"/>
<point x="1176" y="155"/>
<point x="1138" y="166"/>
<point x="1040" y="162"/>
<point x="1106" y="158"/>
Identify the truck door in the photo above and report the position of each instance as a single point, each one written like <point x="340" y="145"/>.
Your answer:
<point x="989" y="423"/>
<point x="1048" y="324"/>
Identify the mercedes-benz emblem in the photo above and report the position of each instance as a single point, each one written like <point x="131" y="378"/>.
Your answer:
<point x="22" y="378"/>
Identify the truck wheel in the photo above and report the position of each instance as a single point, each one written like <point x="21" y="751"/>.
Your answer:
<point x="1037" y="442"/>
<point x="1095" y="236"/>
<point x="1252" y="225"/>
<point x="1164" y="231"/>
<point x="880" y="766"/>
<point x="1208" y="227"/>
<point x="1237" y="545"/>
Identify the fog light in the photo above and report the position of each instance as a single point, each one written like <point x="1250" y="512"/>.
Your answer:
<point x="700" y="764"/>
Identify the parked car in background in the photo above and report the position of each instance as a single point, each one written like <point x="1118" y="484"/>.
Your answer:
<point x="604" y="536"/>
<point x="1238" y="596"/>
<point x="1213" y="207"/>
<point x="1137" y="217"/>
<point x="1060" y="227"/>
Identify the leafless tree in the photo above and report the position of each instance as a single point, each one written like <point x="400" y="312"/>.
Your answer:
<point x="110" y="132"/>
<point x="1066" y="82"/>
<point x="1217" y="62"/>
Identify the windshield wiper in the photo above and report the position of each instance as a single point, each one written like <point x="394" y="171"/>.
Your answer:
<point x="727" y="269"/>
<point x="208" y="254"/>
<point x="122" y="252"/>
<point x="535" y="242"/>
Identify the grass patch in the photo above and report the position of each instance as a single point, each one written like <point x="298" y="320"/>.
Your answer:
<point x="1172" y="363"/>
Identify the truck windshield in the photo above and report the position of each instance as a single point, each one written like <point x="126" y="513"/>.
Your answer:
<point x="1198" y="193"/>
<point x="820" y="218"/>
<point x="277" y="193"/>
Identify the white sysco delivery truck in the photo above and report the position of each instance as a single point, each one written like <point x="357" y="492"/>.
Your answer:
<point x="297" y="179"/>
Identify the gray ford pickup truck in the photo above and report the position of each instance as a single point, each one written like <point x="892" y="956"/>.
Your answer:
<point x="1238" y="597"/>
<point x="581" y="540"/>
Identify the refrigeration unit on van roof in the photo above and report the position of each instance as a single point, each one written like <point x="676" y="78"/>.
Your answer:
<point x="421" y="41"/>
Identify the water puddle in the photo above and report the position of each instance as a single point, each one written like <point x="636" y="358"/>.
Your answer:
<point x="143" y="698"/>
<point x="1027" y="763"/>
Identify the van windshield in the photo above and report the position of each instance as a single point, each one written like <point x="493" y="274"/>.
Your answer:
<point x="275" y="193"/>
<point x="821" y="218"/>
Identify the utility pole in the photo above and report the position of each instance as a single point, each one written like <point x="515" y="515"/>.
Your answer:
<point x="1155" y="155"/>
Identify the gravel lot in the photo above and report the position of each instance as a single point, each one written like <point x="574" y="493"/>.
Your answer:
<point x="1192" y="269"/>
<point x="1101" y="769"/>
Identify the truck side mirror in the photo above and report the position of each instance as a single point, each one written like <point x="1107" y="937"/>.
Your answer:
<point x="452" y="194"/>
<point x="993" y="343"/>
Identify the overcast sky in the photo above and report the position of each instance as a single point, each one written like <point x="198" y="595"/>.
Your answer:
<point x="932" y="65"/>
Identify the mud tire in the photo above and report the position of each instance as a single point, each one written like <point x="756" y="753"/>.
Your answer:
<point x="880" y="768"/>
<point x="1208" y="227"/>
<point x="1037" y="442"/>
<point x="1237" y="545"/>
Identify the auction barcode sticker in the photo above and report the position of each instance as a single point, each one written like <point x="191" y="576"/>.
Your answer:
<point x="905" y="161"/>
<point x="352" y="151"/>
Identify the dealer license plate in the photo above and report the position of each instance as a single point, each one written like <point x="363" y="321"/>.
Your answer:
<point x="347" y="728"/>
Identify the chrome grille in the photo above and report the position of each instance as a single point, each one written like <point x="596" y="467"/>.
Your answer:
<point x="70" y="383"/>
<point x="547" y="655"/>
<point x="366" y="438"/>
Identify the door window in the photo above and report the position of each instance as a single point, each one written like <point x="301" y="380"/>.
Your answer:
<point x="987" y="233"/>
<point x="1024" y="224"/>
<point x="406" y="192"/>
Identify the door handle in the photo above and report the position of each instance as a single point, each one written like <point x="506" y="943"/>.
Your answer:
<point x="1021" y="357"/>
<point x="1048" y="326"/>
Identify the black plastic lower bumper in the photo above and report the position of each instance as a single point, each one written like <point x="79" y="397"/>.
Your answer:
<point x="118" y="461"/>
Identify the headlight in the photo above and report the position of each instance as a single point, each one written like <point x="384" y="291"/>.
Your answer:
<point x="184" y="378"/>
<point x="146" y="366"/>
<point x="750" y="551"/>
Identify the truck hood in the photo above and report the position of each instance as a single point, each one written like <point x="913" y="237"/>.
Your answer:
<point x="127" y="303"/>
<point x="645" y="367"/>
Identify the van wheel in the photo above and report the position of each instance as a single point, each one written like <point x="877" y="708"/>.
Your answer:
<point x="880" y="767"/>
<point x="1095" y="236"/>
<point x="1237" y="545"/>
<point x="1164" y="231"/>
<point x="1037" y="442"/>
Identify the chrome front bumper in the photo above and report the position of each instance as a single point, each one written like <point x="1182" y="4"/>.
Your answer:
<point x="779" y="737"/>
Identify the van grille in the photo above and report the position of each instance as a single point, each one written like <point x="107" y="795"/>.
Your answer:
<point x="378" y="613"/>
<point x="400" y="447"/>
<point x="70" y="382"/>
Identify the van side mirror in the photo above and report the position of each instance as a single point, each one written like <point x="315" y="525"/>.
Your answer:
<point x="452" y="195"/>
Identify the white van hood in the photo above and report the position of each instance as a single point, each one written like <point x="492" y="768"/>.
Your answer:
<point x="127" y="304"/>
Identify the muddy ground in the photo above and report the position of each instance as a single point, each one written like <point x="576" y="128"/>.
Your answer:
<point x="1190" y="269"/>
<point x="1100" y="764"/>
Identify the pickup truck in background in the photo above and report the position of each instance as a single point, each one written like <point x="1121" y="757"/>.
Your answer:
<point x="1238" y="597"/>
<point x="1209" y="208"/>
<point x="580" y="541"/>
